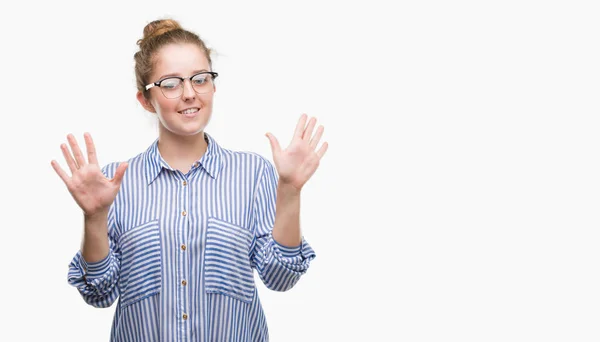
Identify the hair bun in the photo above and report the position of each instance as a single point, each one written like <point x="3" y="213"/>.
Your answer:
<point x="158" y="27"/>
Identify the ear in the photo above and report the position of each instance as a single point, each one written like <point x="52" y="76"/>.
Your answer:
<point x="145" y="103"/>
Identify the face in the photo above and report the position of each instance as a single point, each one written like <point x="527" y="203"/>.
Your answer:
<point x="188" y="114"/>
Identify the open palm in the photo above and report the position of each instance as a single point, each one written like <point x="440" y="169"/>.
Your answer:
<point x="92" y="191"/>
<point x="299" y="161"/>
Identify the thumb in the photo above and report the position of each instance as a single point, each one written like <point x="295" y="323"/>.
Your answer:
<point x="274" y="143"/>
<point x="120" y="173"/>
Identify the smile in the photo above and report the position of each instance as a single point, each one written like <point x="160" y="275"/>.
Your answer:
<point x="189" y="111"/>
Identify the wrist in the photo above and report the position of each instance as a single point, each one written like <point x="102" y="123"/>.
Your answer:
<point x="287" y="189"/>
<point x="96" y="216"/>
<point x="96" y="224"/>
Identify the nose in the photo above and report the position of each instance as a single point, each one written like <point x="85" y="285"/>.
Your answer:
<point x="188" y="90"/>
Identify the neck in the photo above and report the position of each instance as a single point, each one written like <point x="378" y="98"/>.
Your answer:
<point x="180" y="152"/>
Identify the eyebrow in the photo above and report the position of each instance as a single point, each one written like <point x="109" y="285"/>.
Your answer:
<point x="176" y="74"/>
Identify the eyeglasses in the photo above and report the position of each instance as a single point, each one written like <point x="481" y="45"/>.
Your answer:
<point x="172" y="86"/>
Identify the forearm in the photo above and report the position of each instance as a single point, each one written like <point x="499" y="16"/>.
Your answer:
<point x="286" y="230"/>
<point x="280" y="254"/>
<point x="94" y="271"/>
<point x="95" y="238"/>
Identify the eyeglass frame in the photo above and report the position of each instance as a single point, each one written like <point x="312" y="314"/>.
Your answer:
<point x="157" y="83"/>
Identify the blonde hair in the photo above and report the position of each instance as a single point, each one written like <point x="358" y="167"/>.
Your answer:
<point x="157" y="34"/>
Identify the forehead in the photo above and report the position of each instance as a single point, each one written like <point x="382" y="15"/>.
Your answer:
<point x="179" y="59"/>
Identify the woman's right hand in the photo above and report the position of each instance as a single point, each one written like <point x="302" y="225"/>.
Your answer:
<point x="92" y="191"/>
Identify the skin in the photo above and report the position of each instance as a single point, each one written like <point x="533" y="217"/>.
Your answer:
<point x="181" y="142"/>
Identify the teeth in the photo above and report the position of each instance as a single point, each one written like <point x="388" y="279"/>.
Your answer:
<point x="189" y="111"/>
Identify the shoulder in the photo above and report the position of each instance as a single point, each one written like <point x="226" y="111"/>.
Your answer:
<point x="246" y="159"/>
<point x="134" y="163"/>
<point x="237" y="158"/>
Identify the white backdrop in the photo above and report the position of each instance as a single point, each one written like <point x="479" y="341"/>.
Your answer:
<point x="459" y="197"/>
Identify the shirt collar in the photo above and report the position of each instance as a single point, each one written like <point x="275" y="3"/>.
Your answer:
<point x="211" y="161"/>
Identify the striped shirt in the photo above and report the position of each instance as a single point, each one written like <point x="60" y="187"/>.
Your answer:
<point x="183" y="249"/>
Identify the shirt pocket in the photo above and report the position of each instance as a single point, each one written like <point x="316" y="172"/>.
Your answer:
<point x="227" y="260"/>
<point x="140" y="263"/>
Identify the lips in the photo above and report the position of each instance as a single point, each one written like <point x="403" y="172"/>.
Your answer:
<point x="189" y="111"/>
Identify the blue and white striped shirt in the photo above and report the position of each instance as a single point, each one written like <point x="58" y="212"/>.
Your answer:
<point x="183" y="248"/>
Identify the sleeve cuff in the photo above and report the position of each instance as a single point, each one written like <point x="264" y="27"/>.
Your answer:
<point x="95" y="269"/>
<point x="289" y="252"/>
<point x="294" y="258"/>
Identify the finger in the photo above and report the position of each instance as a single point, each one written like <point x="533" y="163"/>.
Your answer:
<point x="91" y="149"/>
<point x="322" y="150"/>
<point x="315" y="140"/>
<point x="61" y="173"/>
<point x="309" y="129"/>
<point x="119" y="173"/>
<point x="68" y="158"/>
<point x="76" y="151"/>
<point x="274" y="144"/>
<point x="300" y="126"/>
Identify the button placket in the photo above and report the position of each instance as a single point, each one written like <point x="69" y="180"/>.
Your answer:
<point x="183" y="233"/>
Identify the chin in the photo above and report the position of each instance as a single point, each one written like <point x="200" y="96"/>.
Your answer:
<point x="189" y="128"/>
<point x="189" y="133"/>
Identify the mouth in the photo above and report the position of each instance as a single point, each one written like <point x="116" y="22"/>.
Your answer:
<point x="189" y="112"/>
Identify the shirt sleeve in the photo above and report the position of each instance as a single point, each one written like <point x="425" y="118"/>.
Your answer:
<point x="97" y="281"/>
<point x="278" y="266"/>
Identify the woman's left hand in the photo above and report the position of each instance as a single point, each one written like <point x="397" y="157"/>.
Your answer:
<point x="299" y="161"/>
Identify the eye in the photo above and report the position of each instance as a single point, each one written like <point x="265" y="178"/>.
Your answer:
<point x="200" y="79"/>
<point x="170" y="83"/>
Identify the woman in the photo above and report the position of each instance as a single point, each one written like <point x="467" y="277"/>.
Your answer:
<point x="175" y="232"/>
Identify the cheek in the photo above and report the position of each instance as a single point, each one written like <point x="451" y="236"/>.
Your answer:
<point x="208" y="100"/>
<point x="164" y="106"/>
